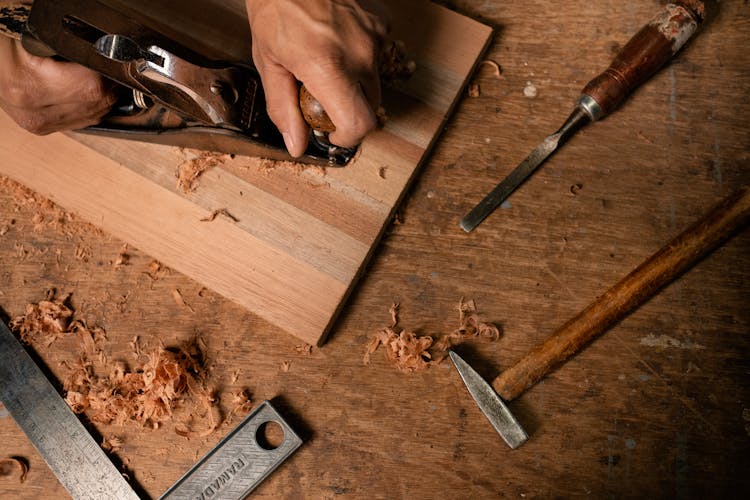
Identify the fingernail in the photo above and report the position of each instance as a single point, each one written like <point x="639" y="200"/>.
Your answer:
<point x="289" y="142"/>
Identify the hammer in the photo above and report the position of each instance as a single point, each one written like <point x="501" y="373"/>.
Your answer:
<point x="628" y="294"/>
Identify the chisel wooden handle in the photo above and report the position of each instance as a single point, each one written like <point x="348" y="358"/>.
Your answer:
<point x="636" y="288"/>
<point x="642" y="56"/>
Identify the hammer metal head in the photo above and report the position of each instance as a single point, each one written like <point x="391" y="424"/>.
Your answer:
<point x="490" y="403"/>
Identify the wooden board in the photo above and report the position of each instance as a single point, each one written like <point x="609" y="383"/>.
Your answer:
<point x="302" y="236"/>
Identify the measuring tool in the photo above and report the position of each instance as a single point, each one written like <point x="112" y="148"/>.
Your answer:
<point x="231" y="470"/>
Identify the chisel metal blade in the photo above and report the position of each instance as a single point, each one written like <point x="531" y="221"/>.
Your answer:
<point x="538" y="155"/>
<point x="498" y="195"/>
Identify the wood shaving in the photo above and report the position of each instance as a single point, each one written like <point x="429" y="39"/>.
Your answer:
<point x="146" y="395"/>
<point x="217" y="212"/>
<point x="112" y="444"/>
<point x="212" y="415"/>
<point x="123" y="258"/>
<point x="10" y="464"/>
<point x="180" y="300"/>
<point x="575" y="188"/>
<point x="473" y="90"/>
<point x="285" y="366"/>
<point x="242" y="405"/>
<point x="410" y="352"/>
<point x="236" y="375"/>
<point x="44" y="322"/>
<point x="195" y="165"/>
<point x="394" y="64"/>
<point x="83" y="253"/>
<point x="305" y="349"/>
<point x="156" y="270"/>
<point x="497" y="70"/>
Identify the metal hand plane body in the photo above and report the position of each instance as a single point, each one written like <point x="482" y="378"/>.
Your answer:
<point x="169" y="94"/>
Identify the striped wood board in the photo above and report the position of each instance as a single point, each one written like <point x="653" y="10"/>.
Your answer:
<point x="302" y="236"/>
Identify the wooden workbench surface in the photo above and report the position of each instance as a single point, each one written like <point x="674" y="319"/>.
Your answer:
<point x="658" y="407"/>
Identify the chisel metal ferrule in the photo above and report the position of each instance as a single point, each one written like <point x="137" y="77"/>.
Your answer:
<point x="591" y="107"/>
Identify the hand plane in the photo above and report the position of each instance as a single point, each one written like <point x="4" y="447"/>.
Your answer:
<point x="167" y="94"/>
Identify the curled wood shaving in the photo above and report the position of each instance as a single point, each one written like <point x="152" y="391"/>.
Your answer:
<point x="146" y="395"/>
<point x="217" y="212"/>
<point x="194" y="166"/>
<point x="10" y="464"/>
<point x="410" y="352"/>
<point x="242" y="405"/>
<point x="497" y="70"/>
<point x="44" y="322"/>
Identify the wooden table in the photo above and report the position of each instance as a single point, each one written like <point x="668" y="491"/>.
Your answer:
<point x="658" y="407"/>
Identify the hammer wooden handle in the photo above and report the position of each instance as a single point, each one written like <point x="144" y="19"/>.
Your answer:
<point x="627" y="295"/>
<point x="644" y="54"/>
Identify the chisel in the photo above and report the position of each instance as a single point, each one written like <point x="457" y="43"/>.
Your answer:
<point x="638" y="60"/>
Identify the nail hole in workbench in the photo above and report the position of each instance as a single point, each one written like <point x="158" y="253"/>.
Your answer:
<point x="269" y="435"/>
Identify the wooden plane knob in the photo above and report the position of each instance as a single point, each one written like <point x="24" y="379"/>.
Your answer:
<point x="313" y="112"/>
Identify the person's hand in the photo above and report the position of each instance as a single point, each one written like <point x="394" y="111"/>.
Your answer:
<point x="329" y="45"/>
<point x="44" y="95"/>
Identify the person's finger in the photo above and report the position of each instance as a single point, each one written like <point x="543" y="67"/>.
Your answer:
<point x="347" y="106"/>
<point x="282" y="104"/>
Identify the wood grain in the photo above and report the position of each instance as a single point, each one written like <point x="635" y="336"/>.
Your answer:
<point x="291" y="257"/>
<point x="674" y="258"/>
<point x="659" y="407"/>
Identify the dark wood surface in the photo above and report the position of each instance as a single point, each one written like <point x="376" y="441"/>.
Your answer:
<point x="657" y="407"/>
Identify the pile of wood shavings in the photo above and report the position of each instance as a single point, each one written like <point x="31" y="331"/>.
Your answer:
<point x="146" y="395"/>
<point x="50" y="319"/>
<point x="410" y="352"/>
<point x="10" y="464"/>
<point x="109" y="391"/>
<point x="195" y="164"/>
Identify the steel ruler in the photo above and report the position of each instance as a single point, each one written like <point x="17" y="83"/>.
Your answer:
<point x="232" y="469"/>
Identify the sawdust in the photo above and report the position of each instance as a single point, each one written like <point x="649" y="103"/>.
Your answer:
<point x="195" y="164"/>
<point x="123" y="258"/>
<point x="410" y="352"/>
<point x="10" y="464"/>
<point x="47" y="215"/>
<point x="304" y="349"/>
<point x="112" y="444"/>
<point x="157" y="270"/>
